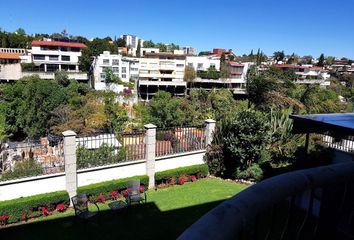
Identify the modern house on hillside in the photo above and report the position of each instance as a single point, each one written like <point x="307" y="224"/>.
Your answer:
<point x="49" y="56"/>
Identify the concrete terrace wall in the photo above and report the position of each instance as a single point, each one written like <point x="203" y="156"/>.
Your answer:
<point x="55" y="182"/>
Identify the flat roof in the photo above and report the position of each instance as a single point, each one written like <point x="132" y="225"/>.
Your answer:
<point x="318" y="123"/>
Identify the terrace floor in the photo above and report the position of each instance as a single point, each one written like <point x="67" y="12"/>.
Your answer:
<point x="167" y="214"/>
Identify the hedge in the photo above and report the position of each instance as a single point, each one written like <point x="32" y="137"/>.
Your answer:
<point x="16" y="207"/>
<point x="108" y="186"/>
<point x="177" y="172"/>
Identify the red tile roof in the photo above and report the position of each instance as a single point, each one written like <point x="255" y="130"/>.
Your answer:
<point x="15" y="56"/>
<point x="59" y="44"/>
<point x="235" y="64"/>
<point x="287" y="66"/>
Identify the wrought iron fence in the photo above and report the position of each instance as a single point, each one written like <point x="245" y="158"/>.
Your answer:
<point x="344" y="143"/>
<point x="105" y="149"/>
<point x="179" y="139"/>
<point x="31" y="158"/>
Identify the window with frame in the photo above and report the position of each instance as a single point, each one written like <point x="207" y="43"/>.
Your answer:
<point x="103" y="77"/>
<point x="65" y="58"/>
<point x="124" y="76"/>
<point x="180" y="65"/>
<point x="124" y="69"/>
<point x="115" y="69"/>
<point x="39" y="57"/>
<point x="106" y="61"/>
<point x="115" y="62"/>
<point x="200" y="65"/>
<point x="54" y="58"/>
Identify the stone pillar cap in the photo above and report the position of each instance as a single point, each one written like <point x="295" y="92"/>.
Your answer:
<point x="149" y="126"/>
<point x="69" y="133"/>
<point x="210" y="121"/>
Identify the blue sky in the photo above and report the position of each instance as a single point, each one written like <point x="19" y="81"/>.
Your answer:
<point x="300" y="26"/>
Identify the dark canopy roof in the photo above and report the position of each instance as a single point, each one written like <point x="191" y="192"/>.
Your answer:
<point x="319" y="123"/>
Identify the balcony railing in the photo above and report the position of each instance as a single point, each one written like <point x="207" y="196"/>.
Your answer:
<point x="315" y="203"/>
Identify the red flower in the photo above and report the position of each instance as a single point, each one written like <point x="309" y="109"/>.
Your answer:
<point x="101" y="198"/>
<point x="193" y="178"/>
<point x="142" y="189"/>
<point x="125" y="193"/>
<point x="61" y="207"/>
<point x="182" y="180"/>
<point x="4" y="218"/>
<point x="24" y="217"/>
<point x="44" y="211"/>
<point x="114" y="194"/>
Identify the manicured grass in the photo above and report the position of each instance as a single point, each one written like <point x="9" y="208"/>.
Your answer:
<point x="167" y="214"/>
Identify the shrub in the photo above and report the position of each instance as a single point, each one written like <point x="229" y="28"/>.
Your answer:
<point x="44" y="211"/>
<point x="24" y="168"/>
<point x="125" y="193"/>
<point x="60" y="207"/>
<point x="200" y="170"/>
<point x="114" y="195"/>
<point x="17" y="207"/>
<point x="101" y="198"/>
<point x="193" y="178"/>
<point x="253" y="172"/>
<point x="182" y="180"/>
<point x="3" y="219"/>
<point x="215" y="159"/>
<point x="109" y="186"/>
<point x="142" y="189"/>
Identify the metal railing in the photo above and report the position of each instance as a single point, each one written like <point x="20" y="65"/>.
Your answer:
<point x="179" y="139"/>
<point x="315" y="203"/>
<point x="343" y="143"/>
<point x="31" y="158"/>
<point x="105" y="149"/>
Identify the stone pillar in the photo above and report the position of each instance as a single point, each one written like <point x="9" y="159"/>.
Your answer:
<point x="70" y="163"/>
<point x="209" y="131"/>
<point x="150" y="142"/>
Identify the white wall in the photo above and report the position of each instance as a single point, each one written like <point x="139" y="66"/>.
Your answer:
<point x="179" y="160"/>
<point x="204" y="61"/>
<point x="31" y="186"/>
<point x="56" y="182"/>
<point x="10" y="71"/>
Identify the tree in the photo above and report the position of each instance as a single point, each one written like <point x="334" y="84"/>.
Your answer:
<point x="189" y="74"/>
<point x="279" y="56"/>
<point x="321" y="60"/>
<point x="121" y="42"/>
<point x="28" y="104"/>
<point x="110" y="77"/>
<point x="245" y="144"/>
<point x="165" y="111"/>
<point x="138" y="49"/>
<point x="149" y="44"/>
<point x="21" y="31"/>
<point x="62" y="78"/>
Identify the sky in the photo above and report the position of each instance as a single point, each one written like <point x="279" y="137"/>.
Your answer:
<point x="305" y="27"/>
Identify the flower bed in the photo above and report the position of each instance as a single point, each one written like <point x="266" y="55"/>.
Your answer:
<point x="181" y="175"/>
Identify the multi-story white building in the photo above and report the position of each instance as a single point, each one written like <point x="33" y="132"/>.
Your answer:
<point x="161" y="71"/>
<point x="50" y="56"/>
<point x="132" y="42"/>
<point x="203" y="63"/>
<point x="126" y="68"/>
<point x="189" y="50"/>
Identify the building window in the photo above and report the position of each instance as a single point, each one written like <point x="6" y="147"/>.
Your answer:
<point x="65" y="58"/>
<point x="200" y="65"/>
<point x="180" y="65"/>
<point x="103" y="77"/>
<point x="134" y="69"/>
<point x="124" y="76"/>
<point x="39" y="57"/>
<point x="106" y="61"/>
<point x="124" y="69"/>
<point x="115" y="69"/>
<point x="64" y="49"/>
<point x="212" y="65"/>
<point x="114" y="61"/>
<point x="54" y="58"/>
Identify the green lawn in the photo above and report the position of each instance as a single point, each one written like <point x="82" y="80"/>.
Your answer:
<point x="167" y="214"/>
